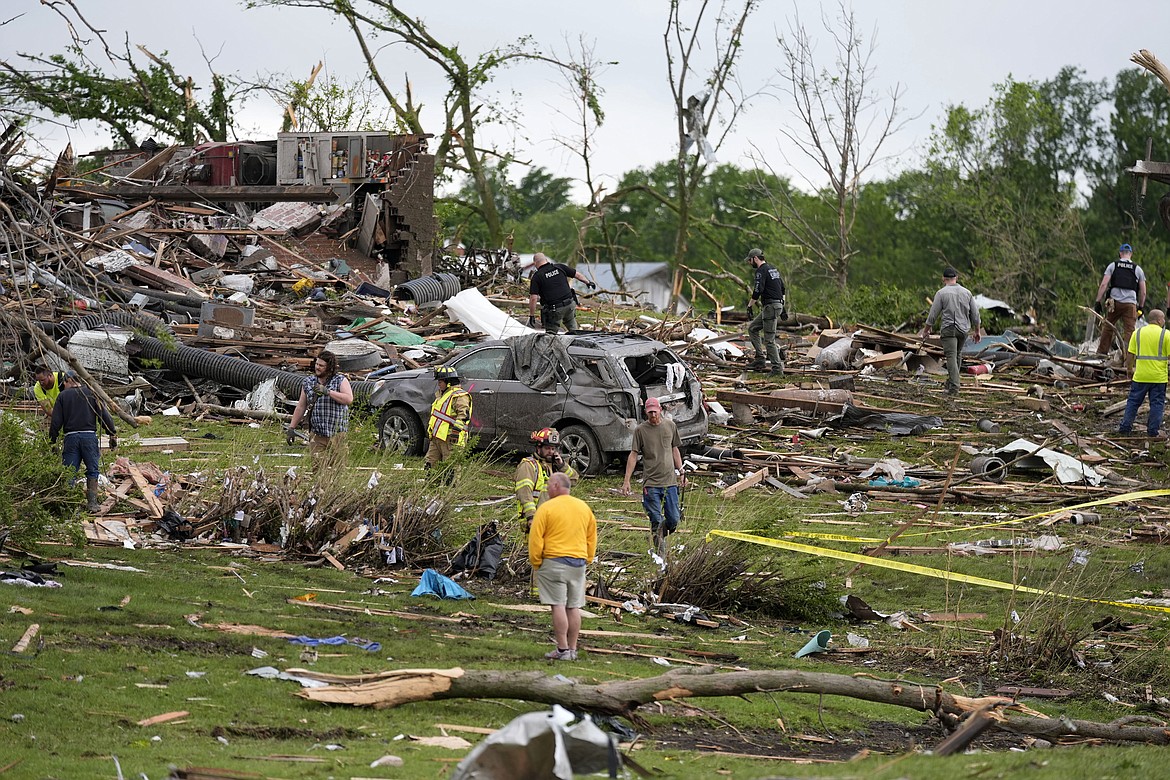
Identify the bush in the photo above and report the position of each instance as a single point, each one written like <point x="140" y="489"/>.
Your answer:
<point x="36" y="500"/>
<point x="883" y="306"/>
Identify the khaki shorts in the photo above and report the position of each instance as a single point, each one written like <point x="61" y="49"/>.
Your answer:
<point x="561" y="584"/>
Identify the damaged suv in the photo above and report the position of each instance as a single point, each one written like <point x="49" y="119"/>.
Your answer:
<point x="589" y="386"/>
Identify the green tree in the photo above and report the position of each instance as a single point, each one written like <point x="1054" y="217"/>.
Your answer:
<point x="328" y="104"/>
<point x="538" y="192"/>
<point x="128" y="96"/>
<point x="723" y="217"/>
<point x="1008" y="174"/>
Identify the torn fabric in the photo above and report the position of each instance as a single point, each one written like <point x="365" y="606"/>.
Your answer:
<point x="540" y="359"/>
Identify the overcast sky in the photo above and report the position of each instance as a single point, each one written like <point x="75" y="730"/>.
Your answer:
<point x="939" y="51"/>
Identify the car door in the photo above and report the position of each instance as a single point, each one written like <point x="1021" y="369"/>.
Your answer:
<point x="480" y="372"/>
<point x="520" y="409"/>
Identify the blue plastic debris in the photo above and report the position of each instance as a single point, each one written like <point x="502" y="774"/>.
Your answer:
<point x="435" y="584"/>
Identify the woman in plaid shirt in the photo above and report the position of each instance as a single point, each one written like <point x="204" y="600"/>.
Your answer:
<point x="325" y="400"/>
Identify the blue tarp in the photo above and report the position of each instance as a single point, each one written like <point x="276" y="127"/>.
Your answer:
<point x="435" y="584"/>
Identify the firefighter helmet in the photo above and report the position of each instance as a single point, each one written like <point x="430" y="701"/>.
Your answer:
<point x="447" y="374"/>
<point x="546" y="436"/>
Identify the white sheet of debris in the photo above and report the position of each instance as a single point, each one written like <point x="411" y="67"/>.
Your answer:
<point x="541" y="744"/>
<point x="482" y="316"/>
<point x="1067" y="468"/>
<point x="717" y="345"/>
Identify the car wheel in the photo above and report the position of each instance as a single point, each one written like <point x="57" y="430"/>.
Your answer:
<point x="400" y="431"/>
<point x="580" y="449"/>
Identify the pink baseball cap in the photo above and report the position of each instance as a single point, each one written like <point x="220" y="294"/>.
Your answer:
<point x="654" y="404"/>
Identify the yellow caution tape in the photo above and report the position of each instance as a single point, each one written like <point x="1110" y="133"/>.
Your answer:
<point x="911" y="568"/>
<point x="1135" y="496"/>
<point x="834" y="537"/>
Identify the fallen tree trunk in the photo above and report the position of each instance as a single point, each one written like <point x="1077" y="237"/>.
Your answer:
<point x="623" y="697"/>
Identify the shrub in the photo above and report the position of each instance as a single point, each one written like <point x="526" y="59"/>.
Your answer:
<point x="883" y="306"/>
<point x="36" y="500"/>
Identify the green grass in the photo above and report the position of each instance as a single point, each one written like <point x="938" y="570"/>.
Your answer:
<point x="93" y="673"/>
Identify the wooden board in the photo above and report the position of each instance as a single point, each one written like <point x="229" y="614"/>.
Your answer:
<point x="156" y="507"/>
<point x="152" y="444"/>
<point x="749" y="481"/>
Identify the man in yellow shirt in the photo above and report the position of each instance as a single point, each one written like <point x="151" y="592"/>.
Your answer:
<point x="1149" y="348"/>
<point x="562" y="541"/>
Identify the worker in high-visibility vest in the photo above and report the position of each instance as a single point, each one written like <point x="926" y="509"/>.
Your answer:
<point x="1150" y="349"/>
<point x="533" y="472"/>
<point x="450" y="417"/>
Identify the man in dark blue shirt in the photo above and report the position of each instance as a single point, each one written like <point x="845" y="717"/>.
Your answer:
<point x="768" y="290"/>
<point x="550" y="287"/>
<point x="76" y="412"/>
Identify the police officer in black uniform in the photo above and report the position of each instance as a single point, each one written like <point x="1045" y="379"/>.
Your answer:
<point x="550" y="287"/>
<point x="1123" y="293"/>
<point x="768" y="290"/>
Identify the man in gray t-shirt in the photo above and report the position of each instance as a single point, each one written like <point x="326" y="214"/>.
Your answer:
<point x="955" y="310"/>
<point x="657" y="441"/>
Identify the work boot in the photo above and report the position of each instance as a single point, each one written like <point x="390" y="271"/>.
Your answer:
<point x="658" y="539"/>
<point x="91" y="495"/>
<point x="757" y="364"/>
<point x="777" y="369"/>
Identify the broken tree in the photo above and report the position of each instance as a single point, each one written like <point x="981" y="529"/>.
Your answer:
<point x="623" y="697"/>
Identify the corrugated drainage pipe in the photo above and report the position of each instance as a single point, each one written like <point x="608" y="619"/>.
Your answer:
<point x="230" y="370"/>
<point x="426" y="289"/>
<point x="146" y="323"/>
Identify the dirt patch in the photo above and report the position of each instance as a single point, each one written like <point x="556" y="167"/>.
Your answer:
<point x="287" y="733"/>
<point x="877" y="737"/>
<point x="159" y="644"/>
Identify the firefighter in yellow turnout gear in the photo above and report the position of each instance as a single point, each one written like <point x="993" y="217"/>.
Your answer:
<point x="533" y="472"/>
<point x="450" y="417"/>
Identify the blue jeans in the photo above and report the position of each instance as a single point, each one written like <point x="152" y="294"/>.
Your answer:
<point x="78" y="447"/>
<point x="1138" y="391"/>
<point x="656" y="501"/>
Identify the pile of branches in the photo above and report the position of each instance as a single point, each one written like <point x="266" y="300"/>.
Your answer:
<point x="317" y="513"/>
<point x="715" y="576"/>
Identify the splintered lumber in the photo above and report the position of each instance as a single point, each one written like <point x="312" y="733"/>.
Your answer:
<point x="163" y="280"/>
<point x="166" y="717"/>
<point x="967" y="732"/>
<point x="623" y="697"/>
<point x="749" y="481"/>
<point x="156" y="507"/>
<point x="29" y="634"/>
